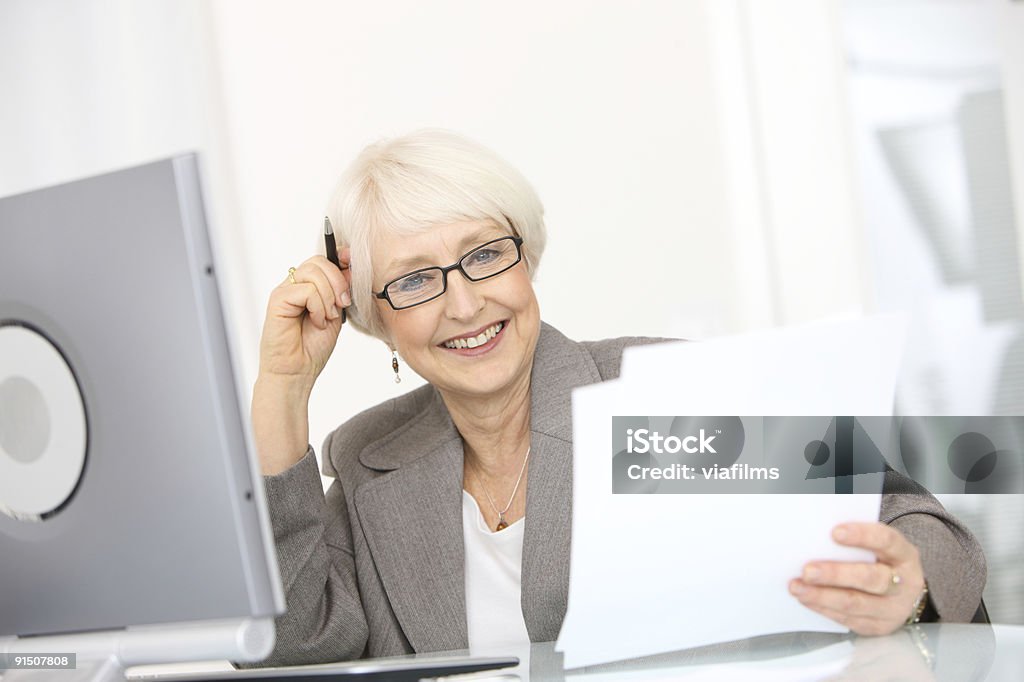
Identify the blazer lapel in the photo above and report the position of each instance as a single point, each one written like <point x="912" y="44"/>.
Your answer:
<point x="559" y="366"/>
<point x="412" y="521"/>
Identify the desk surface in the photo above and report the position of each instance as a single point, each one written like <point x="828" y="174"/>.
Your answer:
<point x="925" y="652"/>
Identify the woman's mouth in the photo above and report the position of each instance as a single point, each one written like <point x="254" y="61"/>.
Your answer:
<point x="476" y="344"/>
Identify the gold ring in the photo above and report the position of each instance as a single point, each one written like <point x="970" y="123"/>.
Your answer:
<point x="291" y="275"/>
<point x="894" y="580"/>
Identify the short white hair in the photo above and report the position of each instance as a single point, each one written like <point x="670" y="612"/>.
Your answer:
<point x="419" y="181"/>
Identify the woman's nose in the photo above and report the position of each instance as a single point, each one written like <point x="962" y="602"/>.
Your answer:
<point x="463" y="300"/>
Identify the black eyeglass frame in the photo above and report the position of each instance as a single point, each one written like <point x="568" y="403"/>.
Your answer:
<point x="457" y="265"/>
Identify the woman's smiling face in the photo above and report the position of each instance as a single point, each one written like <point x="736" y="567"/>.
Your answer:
<point x="433" y="337"/>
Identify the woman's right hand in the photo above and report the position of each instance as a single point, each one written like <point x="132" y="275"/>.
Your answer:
<point x="299" y="334"/>
<point x="303" y="321"/>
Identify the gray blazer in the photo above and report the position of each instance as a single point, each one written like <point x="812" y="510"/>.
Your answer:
<point x="375" y="567"/>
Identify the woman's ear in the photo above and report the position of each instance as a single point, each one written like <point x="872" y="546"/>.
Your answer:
<point x="385" y="334"/>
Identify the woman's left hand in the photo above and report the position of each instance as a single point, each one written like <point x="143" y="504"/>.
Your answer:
<point x="870" y="599"/>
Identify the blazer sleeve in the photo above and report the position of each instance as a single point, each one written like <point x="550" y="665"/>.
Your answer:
<point x="953" y="561"/>
<point x="324" y="620"/>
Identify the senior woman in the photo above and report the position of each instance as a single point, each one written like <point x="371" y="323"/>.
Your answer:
<point x="448" y="521"/>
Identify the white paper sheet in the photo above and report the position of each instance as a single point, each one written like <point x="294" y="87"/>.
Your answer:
<point x="658" y="573"/>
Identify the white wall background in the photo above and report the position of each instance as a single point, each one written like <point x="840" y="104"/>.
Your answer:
<point x="95" y="86"/>
<point x="1010" y="17"/>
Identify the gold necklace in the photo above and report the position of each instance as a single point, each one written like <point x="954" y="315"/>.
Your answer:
<point x="502" y="525"/>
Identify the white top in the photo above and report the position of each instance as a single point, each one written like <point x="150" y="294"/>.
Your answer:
<point x="494" y="567"/>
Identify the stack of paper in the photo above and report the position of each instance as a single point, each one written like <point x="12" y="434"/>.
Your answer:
<point x="653" y="573"/>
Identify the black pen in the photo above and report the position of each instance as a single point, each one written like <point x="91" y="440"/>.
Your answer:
<point x="332" y="253"/>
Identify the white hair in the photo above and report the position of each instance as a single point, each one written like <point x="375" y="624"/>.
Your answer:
<point x="419" y="181"/>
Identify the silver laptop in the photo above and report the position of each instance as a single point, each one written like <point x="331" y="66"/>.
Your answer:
<point x="128" y="493"/>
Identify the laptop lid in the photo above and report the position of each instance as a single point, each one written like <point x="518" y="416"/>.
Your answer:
<point x="128" y="492"/>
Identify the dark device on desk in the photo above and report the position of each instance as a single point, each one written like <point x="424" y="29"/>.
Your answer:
<point x="133" y="526"/>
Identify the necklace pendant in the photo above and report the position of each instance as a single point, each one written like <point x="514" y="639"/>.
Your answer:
<point x="501" y="524"/>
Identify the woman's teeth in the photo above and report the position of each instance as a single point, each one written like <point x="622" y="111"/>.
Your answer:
<point x="474" y="341"/>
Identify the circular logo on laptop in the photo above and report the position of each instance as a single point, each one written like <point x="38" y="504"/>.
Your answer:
<point x="43" y="431"/>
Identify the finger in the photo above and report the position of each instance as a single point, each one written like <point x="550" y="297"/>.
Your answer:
<point x="337" y="280"/>
<point x="887" y="543"/>
<point x="295" y="300"/>
<point x="875" y="578"/>
<point x="345" y="258"/>
<point x="847" y="601"/>
<point x="313" y="273"/>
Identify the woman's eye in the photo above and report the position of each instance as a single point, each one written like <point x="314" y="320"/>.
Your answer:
<point x="414" y="282"/>
<point x="485" y="256"/>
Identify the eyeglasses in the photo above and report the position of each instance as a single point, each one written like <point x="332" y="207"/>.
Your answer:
<point x="420" y="286"/>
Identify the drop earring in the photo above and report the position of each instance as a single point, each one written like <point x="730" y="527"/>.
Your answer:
<point x="394" y="365"/>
